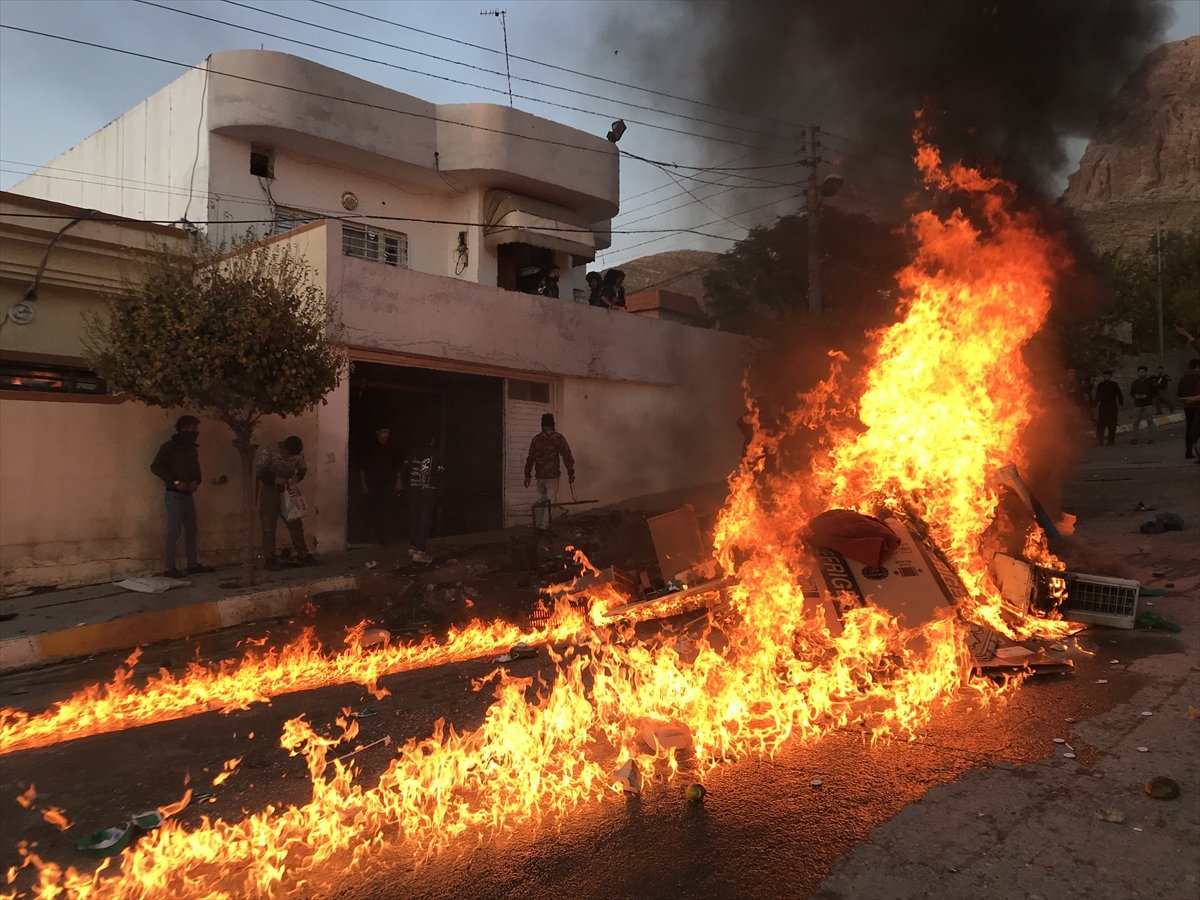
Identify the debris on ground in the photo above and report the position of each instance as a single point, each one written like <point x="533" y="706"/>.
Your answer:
<point x="665" y="736"/>
<point x="1109" y="814"/>
<point x="1153" y="621"/>
<point x="1161" y="788"/>
<point x="629" y="778"/>
<point x="1164" y="521"/>
<point x="152" y="584"/>
<point x="695" y="793"/>
<point x="375" y="637"/>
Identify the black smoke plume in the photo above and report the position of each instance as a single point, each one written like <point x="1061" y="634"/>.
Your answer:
<point x="1005" y="83"/>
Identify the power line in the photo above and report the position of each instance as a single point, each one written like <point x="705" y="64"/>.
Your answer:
<point x="539" y="62"/>
<point x="477" y="68"/>
<point x="363" y="103"/>
<point x="708" y="224"/>
<point x="447" y="78"/>
<point x="103" y="217"/>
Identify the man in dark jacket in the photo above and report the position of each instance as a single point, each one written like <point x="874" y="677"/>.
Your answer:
<point x="379" y="473"/>
<point x="422" y="479"/>
<point x="1107" y="398"/>
<point x="177" y="464"/>
<point x="593" y="287"/>
<point x="1143" y="391"/>
<point x="1188" y="391"/>
<point x="544" y="452"/>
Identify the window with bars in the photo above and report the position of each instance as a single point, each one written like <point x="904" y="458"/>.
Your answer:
<point x="287" y="219"/>
<point x="388" y="247"/>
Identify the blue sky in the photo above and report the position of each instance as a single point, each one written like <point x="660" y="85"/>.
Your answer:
<point x="54" y="94"/>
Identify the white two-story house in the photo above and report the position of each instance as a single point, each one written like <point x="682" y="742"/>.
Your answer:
<point x="429" y="225"/>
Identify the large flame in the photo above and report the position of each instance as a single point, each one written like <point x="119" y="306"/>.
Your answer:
<point x="943" y="406"/>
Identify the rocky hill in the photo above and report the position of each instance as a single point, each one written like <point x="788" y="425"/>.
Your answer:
<point x="1142" y="165"/>
<point x="681" y="271"/>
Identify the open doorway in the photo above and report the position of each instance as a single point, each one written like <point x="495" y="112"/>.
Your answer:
<point x="465" y="415"/>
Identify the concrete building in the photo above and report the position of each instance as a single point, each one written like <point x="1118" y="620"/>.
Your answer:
<point x="420" y="222"/>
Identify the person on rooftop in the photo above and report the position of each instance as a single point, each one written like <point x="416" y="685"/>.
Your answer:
<point x="593" y="282"/>
<point x="612" y="289"/>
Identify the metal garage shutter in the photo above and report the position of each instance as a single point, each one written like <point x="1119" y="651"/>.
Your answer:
<point x="524" y="404"/>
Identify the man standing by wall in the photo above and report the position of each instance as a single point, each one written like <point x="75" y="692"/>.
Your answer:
<point x="544" y="451"/>
<point x="1188" y="391"/>
<point x="422" y="477"/>
<point x="380" y="470"/>
<point x="177" y="463"/>
<point x="1108" y="398"/>
<point x="1142" y="391"/>
<point x="281" y="465"/>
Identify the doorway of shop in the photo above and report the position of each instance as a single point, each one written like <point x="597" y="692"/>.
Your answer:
<point x="463" y="413"/>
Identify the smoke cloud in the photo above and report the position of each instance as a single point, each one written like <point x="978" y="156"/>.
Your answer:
<point x="1007" y="83"/>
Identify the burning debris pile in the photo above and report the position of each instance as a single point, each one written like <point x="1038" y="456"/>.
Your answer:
<point x="808" y="630"/>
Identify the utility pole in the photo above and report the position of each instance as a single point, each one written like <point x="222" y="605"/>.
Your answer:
<point x="812" y="206"/>
<point x="1158" y="239"/>
<point x="501" y="14"/>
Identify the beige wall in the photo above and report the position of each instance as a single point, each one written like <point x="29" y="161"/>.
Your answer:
<point x="80" y="505"/>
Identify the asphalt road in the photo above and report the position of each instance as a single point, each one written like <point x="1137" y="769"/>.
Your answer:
<point x="763" y="828"/>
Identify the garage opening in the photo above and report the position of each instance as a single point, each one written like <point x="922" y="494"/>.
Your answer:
<point x="463" y="413"/>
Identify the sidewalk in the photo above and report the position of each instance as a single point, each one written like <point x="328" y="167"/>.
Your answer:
<point x="80" y="622"/>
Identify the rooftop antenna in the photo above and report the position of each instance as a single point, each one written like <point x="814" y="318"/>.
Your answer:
<point x="500" y="14"/>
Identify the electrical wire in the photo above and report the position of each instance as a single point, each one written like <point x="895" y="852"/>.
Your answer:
<point x="543" y="63"/>
<point x="447" y="78"/>
<point x="319" y="94"/>
<point x="358" y="219"/>
<point x="472" y="66"/>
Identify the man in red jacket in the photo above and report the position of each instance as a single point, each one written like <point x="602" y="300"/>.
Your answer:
<point x="544" y="452"/>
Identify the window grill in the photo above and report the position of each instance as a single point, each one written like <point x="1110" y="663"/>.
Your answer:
<point x="387" y="247"/>
<point x="287" y="219"/>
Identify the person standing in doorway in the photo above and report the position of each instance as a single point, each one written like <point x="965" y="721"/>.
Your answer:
<point x="422" y="480"/>
<point x="1188" y="392"/>
<point x="545" y="450"/>
<point x="378" y="478"/>
<point x="1108" y="397"/>
<point x="280" y="466"/>
<point x="1142" y="391"/>
<point x="177" y="464"/>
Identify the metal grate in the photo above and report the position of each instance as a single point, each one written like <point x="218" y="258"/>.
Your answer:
<point x="1100" y="601"/>
<point x="388" y="247"/>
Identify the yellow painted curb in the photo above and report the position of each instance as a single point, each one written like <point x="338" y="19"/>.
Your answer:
<point x="129" y="631"/>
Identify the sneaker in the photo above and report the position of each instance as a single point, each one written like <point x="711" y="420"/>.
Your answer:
<point x="199" y="570"/>
<point x="171" y="573"/>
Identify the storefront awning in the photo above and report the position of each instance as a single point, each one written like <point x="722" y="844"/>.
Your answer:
<point x="513" y="219"/>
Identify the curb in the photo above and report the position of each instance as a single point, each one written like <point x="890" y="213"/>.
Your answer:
<point x="1168" y="419"/>
<point x="163" y="625"/>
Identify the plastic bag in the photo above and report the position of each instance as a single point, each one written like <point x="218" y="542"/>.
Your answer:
<point x="291" y="504"/>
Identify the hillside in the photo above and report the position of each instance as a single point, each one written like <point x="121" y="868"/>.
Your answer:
<point x="681" y="271"/>
<point x="1142" y="164"/>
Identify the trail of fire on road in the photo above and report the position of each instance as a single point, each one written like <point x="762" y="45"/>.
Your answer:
<point x="945" y="404"/>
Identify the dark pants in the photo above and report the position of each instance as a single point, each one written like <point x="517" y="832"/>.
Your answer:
<point x="381" y="513"/>
<point x="420" y="518"/>
<point x="1106" y="422"/>
<point x="1191" y="429"/>
<point x="181" y="516"/>
<point x="269" y="498"/>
